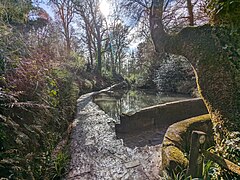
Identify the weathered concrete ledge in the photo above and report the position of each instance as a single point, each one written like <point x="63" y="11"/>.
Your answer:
<point x="159" y="115"/>
<point x="176" y="142"/>
<point x="84" y="99"/>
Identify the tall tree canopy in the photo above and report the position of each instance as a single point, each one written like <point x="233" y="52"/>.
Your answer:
<point x="213" y="51"/>
<point x="65" y="12"/>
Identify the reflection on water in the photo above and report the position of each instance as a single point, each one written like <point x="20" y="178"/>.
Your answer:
<point x="116" y="103"/>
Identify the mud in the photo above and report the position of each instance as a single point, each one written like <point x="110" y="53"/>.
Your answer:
<point x="149" y="137"/>
<point x="97" y="154"/>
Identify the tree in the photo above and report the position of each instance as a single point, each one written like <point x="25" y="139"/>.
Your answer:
<point x="38" y="27"/>
<point x="103" y="37"/>
<point x="13" y="20"/>
<point x="86" y="35"/>
<point x="65" y="12"/>
<point x="118" y="38"/>
<point x="176" y="14"/>
<point x="213" y="53"/>
<point x="120" y="43"/>
<point x="93" y="26"/>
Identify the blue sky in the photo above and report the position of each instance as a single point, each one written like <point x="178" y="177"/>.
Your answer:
<point x="48" y="8"/>
<point x="43" y="4"/>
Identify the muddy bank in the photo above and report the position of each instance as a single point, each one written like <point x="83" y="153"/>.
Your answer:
<point x="96" y="153"/>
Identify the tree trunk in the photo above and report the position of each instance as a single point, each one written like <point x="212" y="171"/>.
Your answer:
<point x="99" y="57"/>
<point x="67" y="39"/>
<point x="113" y="67"/>
<point x="89" y="44"/>
<point x="190" y="12"/>
<point x="218" y="77"/>
<point x="99" y="51"/>
<point x="68" y="42"/>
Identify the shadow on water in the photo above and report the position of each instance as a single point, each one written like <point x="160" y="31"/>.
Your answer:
<point x="118" y="102"/>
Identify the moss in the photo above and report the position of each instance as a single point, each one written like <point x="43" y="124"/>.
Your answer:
<point x="173" y="157"/>
<point x="214" y="55"/>
<point x="176" y="133"/>
<point x="177" y="138"/>
<point x="213" y="52"/>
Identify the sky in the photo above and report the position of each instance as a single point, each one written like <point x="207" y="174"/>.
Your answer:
<point x="106" y="10"/>
<point x="48" y="8"/>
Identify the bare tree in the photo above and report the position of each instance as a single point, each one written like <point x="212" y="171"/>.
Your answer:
<point x="94" y="30"/>
<point x="97" y="31"/>
<point x="176" y="14"/>
<point x="65" y="13"/>
<point x="119" y="43"/>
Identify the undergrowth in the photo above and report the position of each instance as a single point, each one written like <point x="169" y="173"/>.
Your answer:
<point x="38" y="94"/>
<point x="211" y="171"/>
<point x="37" y="104"/>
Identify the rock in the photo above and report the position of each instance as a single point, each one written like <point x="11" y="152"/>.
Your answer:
<point x="89" y="142"/>
<point x="132" y="164"/>
<point x="176" y="141"/>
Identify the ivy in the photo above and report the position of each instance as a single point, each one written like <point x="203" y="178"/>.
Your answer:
<point x="225" y="12"/>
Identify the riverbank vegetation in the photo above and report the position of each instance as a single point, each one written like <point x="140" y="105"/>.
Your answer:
<point x="41" y="79"/>
<point x="48" y="57"/>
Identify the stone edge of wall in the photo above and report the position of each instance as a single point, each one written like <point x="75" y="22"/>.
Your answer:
<point x="156" y="116"/>
<point x="81" y="101"/>
<point x="176" y="142"/>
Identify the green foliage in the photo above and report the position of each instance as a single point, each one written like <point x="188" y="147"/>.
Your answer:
<point x="211" y="171"/>
<point x="3" y="137"/>
<point x="77" y="62"/>
<point x="15" y="11"/>
<point x="35" y="128"/>
<point x="230" y="150"/>
<point x="107" y="74"/>
<point x="88" y="84"/>
<point x="67" y="91"/>
<point x="60" y="164"/>
<point x="225" y="12"/>
<point x="180" y="173"/>
<point x="10" y="53"/>
<point x="229" y="146"/>
<point x="53" y="92"/>
<point x="131" y="78"/>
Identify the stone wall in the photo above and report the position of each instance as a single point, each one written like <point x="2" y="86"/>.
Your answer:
<point x="176" y="142"/>
<point x="160" y="115"/>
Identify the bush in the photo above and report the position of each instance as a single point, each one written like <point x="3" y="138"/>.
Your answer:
<point x="36" y="107"/>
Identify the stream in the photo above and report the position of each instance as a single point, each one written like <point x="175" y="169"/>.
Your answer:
<point x="114" y="103"/>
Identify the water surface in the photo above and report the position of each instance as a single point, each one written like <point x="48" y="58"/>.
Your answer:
<point x="118" y="102"/>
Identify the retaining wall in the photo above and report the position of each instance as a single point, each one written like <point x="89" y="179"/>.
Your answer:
<point x="176" y="142"/>
<point x="159" y="115"/>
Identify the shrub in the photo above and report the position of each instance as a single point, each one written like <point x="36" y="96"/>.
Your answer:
<point x="36" y="107"/>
